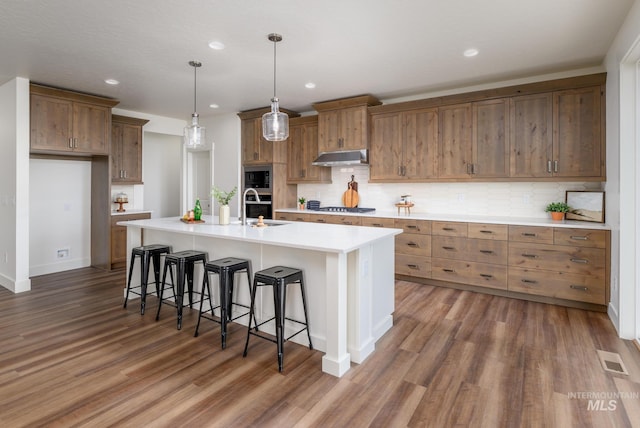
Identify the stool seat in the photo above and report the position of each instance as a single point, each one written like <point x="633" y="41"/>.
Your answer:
<point x="278" y="277"/>
<point x="226" y="269"/>
<point x="147" y="254"/>
<point x="184" y="263"/>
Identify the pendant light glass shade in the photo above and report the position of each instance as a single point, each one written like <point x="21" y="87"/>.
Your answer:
<point x="275" y="124"/>
<point x="194" y="134"/>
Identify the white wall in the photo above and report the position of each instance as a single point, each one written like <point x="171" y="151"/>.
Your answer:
<point x="14" y="185"/>
<point x="161" y="173"/>
<point x="60" y="206"/>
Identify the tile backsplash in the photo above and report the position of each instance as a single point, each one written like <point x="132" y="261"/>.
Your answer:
<point x="509" y="199"/>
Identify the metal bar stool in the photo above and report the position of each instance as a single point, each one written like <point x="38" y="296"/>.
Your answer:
<point x="147" y="254"/>
<point x="279" y="277"/>
<point x="226" y="270"/>
<point x="184" y="263"/>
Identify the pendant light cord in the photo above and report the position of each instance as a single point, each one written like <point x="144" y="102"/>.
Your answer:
<point x="195" y="87"/>
<point x="274" y="67"/>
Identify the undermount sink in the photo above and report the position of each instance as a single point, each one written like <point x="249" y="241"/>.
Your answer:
<point x="253" y="223"/>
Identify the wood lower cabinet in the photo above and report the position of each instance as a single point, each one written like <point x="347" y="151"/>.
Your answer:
<point x="68" y="123"/>
<point x="119" y="238"/>
<point x="126" y="149"/>
<point x="413" y="248"/>
<point x="287" y="216"/>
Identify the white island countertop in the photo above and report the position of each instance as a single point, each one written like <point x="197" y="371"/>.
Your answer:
<point x="308" y="236"/>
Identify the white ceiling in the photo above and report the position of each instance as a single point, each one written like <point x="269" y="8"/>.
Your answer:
<point x="388" y="48"/>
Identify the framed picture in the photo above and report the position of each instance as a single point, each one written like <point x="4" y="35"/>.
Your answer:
<point x="585" y="205"/>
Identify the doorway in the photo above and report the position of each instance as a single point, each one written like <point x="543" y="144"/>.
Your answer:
<point x="199" y="176"/>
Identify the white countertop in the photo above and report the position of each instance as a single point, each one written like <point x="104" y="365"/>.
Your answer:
<point x="129" y="212"/>
<point x="519" y="221"/>
<point x="310" y="236"/>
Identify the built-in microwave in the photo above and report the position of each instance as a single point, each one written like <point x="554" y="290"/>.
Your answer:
<point x="257" y="177"/>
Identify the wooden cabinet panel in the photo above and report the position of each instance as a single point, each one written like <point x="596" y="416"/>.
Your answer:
<point x="410" y="265"/>
<point x="445" y="228"/>
<point x="302" y="150"/>
<point x="91" y="129"/>
<point x="387" y="147"/>
<point x="531" y="139"/>
<point x="454" y="142"/>
<point x="560" y="285"/>
<point x="490" y="143"/>
<point x="578" y="149"/>
<point x="543" y="235"/>
<point x="464" y="272"/>
<point x="119" y="238"/>
<point x="378" y="222"/>
<point x="474" y="250"/>
<point x="126" y="149"/>
<point x="498" y="232"/>
<point x="412" y="243"/>
<point x="255" y="149"/>
<point x="558" y="258"/>
<point x="51" y="123"/>
<point x="581" y="237"/>
<point x="287" y="216"/>
<point x="349" y="220"/>
<point x="414" y="226"/>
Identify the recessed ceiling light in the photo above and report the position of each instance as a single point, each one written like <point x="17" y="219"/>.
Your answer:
<point x="111" y="82"/>
<point x="214" y="105"/>
<point x="216" y="45"/>
<point x="470" y="52"/>
<point x="310" y="85"/>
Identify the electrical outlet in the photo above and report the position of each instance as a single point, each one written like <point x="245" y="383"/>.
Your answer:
<point x="62" y="253"/>
<point x="460" y="197"/>
<point x="526" y="199"/>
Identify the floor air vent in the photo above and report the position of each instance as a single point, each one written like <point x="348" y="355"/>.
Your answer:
<point x="612" y="362"/>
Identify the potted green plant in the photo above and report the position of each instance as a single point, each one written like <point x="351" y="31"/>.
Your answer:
<point x="558" y="210"/>
<point x="301" y="201"/>
<point x="223" y="199"/>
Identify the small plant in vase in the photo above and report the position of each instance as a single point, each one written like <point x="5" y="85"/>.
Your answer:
<point x="301" y="202"/>
<point x="223" y="199"/>
<point x="558" y="210"/>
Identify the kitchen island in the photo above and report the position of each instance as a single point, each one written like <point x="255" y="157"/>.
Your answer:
<point x="349" y="275"/>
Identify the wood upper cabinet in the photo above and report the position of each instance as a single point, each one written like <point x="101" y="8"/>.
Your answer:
<point x="490" y="138"/>
<point x="302" y="150"/>
<point x="578" y="149"/>
<point x="255" y="149"/>
<point x="126" y="149"/>
<point x="454" y="143"/>
<point x="64" y="122"/>
<point x="343" y="124"/>
<point x="531" y="135"/>
<point x="404" y="145"/>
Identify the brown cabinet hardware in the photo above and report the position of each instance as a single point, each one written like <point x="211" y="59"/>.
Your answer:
<point x="583" y="261"/>
<point x="579" y="287"/>
<point x="486" y="275"/>
<point x="449" y="248"/>
<point x="412" y="244"/>
<point x="487" y="231"/>
<point x="449" y="270"/>
<point x="486" y="252"/>
<point x="530" y="256"/>
<point x="528" y="281"/>
<point x="579" y="238"/>
<point x="529" y="234"/>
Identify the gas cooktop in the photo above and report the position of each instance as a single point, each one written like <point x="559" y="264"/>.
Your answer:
<point x="346" y="210"/>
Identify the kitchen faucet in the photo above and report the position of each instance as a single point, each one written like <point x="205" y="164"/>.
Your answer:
<point x="244" y="203"/>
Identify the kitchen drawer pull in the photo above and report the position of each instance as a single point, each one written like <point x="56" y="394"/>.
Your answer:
<point x="449" y="248"/>
<point x="412" y="244"/>
<point x="579" y="287"/>
<point x="486" y="252"/>
<point x="348" y="223"/>
<point x="529" y="256"/>
<point x="583" y="261"/>
<point x="449" y="270"/>
<point x="580" y="238"/>
<point x="486" y="275"/>
<point x="411" y="226"/>
<point x="528" y="281"/>
<point x="449" y="229"/>
<point x="413" y="267"/>
<point x="321" y="220"/>
<point x="487" y="231"/>
<point x="529" y="234"/>
<point x="377" y="225"/>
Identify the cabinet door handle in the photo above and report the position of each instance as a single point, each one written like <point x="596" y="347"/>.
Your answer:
<point x="70" y="143"/>
<point x="529" y="234"/>
<point x="579" y="287"/>
<point x="448" y="229"/>
<point x="486" y="275"/>
<point x="580" y="238"/>
<point x="555" y="166"/>
<point x="549" y="166"/>
<point x="413" y="267"/>
<point x="528" y="281"/>
<point x="529" y="256"/>
<point x="125" y="173"/>
<point x="412" y="244"/>
<point x="487" y="231"/>
<point x="583" y="261"/>
<point x="75" y="142"/>
<point x="449" y="270"/>
<point x="449" y="248"/>
<point x="486" y="252"/>
<point x="473" y="168"/>
<point x="399" y="170"/>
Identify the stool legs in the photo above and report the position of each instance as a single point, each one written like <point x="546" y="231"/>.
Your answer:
<point x="126" y="297"/>
<point x="279" y="300"/>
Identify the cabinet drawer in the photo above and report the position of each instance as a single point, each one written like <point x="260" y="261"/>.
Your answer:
<point x="543" y="235"/>
<point x="580" y="237"/>
<point x="480" y="274"/>
<point x="474" y="250"/>
<point x="378" y="222"/>
<point x="412" y="243"/>
<point x="558" y="258"/>
<point x="413" y="265"/>
<point x="414" y="226"/>
<point x="350" y="220"/>
<point x="315" y="218"/>
<point x="292" y="217"/>
<point x="115" y="219"/>
<point x="560" y="285"/>
<point x="444" y="228"/>
<point x="498" y="232"/>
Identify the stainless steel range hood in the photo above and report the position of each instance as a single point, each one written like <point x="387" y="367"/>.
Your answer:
<point x="350" y="157"/>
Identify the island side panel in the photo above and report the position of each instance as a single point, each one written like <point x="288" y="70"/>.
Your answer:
<point x="336" y="360"/>
<point x="383" y="292"/>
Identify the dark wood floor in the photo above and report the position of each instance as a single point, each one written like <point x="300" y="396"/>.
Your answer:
<point x="70" y="355"/>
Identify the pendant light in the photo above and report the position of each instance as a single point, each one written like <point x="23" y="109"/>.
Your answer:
<point x="194" y="134"/>
<point x="275" y="124"/>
